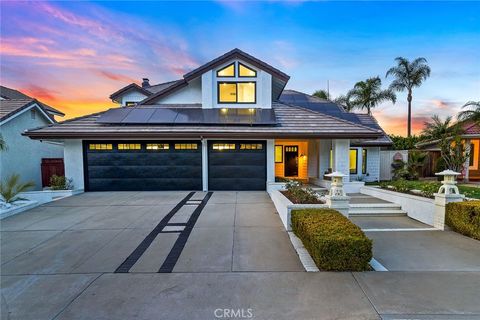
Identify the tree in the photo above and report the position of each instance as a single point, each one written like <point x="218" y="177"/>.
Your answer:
<point x="437" y="128"/>
<point x="470" y="114"/>
<point x="368" y="94"/>
<point x="322" y="94"/>
<point x="408" y="75"/>
<point x="346" y="101"/>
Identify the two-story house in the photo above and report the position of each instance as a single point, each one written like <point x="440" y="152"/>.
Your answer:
<point x="227" y="125"/>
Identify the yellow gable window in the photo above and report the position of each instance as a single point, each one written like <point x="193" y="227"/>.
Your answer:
<point x="228" y="71"/>
<point x="244" y="71"/>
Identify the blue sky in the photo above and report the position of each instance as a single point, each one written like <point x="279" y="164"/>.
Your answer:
<point x="74" y="54"/>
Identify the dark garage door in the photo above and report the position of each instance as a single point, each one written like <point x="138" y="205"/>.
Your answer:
<point x="237" y="165"/>
<point x="143" y="165"/>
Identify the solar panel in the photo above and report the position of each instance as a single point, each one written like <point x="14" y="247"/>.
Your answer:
<point x="189" y="116"/>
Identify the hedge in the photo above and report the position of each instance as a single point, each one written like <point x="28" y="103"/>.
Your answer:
<point x="333" y="241"/>
<point x="464" y="218"/>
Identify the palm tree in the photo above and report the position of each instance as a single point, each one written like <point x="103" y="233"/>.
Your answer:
<point x="437" y="128"/>
<point x="346" y="101"/>
<point x="471" y="114"/>
<point x="322" y="94"/>
<point x="368" y="94"/>
<point x="11" y="187"/>
<point x="408" y="75"/>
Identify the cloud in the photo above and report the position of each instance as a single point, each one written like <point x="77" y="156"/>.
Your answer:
<point x="115" y="76"/>
<point x="442" y="103"/>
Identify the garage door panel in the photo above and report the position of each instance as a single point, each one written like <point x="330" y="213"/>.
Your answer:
<point x="236" y="169"/>
<point x="141" y="170"/>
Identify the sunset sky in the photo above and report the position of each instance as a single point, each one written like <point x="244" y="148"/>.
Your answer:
<point x="73" y="55"/>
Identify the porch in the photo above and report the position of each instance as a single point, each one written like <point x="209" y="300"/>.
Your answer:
<point x="308" y="160"/>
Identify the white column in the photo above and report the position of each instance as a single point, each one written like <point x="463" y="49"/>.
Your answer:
<point x="360" y="162"/>
<point x="467" y="161"/>
<point x="341" y="157"/>
<point x="73" y="161"/>
<point x="324" y="156"/>
<point x="205" y="164"/>
<point x="312" y="159"/>
<point x="270" y="160"/>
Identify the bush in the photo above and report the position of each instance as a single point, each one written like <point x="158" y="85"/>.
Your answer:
<point x="60" y="183"/>
<point x="333" y="241"/>
<point x="297" y="193"/>
<point x="11" y="187"/>
<point x="428" y="189"/>
<point x="464" y="218"/>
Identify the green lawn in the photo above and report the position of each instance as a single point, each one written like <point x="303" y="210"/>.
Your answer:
<point x="468" y="191"/>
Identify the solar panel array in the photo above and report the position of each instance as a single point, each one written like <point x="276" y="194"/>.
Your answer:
<point x="187" y="116"/>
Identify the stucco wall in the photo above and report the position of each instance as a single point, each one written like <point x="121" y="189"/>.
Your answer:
<point x="73" y="159"/>
<point x="24" y="155"/>
<point x="192" y="93"/>
<point x="132" y="96"/>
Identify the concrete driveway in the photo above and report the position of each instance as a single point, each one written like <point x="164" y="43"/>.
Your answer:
<point x="156" y="255"/>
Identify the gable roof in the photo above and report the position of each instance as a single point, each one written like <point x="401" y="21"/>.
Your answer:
<point x="12" y="94"/>
<point x="291" y="121"/>
<point x="147" y="91"/>
<point x="336" y="110"/>
<point x="9" y="108"/>
<point x="231" y="55"/>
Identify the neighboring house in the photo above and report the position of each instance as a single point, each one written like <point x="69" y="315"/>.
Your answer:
<point x="471" y="138"/>
<point x="18" y="113"/>
<point x="227" y="125"/>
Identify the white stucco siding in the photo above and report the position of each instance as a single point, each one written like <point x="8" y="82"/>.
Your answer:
<point x="73" y="159"/>
<point x="373" y="164"/>
<point x="341" y="157"/>
<point x="132" y="96"/>
<point x="24" y="155"/>
<point x="192" y="93"/>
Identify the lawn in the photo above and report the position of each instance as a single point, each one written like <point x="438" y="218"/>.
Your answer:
<point x="468" y="191"/>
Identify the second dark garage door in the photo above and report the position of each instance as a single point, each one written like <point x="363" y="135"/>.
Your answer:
<point x="237" y="165"/>
<point x="143" y="165"/>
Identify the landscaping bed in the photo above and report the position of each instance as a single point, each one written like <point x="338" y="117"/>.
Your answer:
<point x="426" y="188"/>
<point x="333" y="241"/>
<point x="464" y="218"/>
<point x="301" y="199"/>
<point x="297" y="193"/>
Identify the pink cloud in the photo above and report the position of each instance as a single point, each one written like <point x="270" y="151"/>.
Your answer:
<point x="115" y="76"/>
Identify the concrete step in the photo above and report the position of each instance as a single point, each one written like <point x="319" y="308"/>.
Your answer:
<point x="375" y="206"/>
<point x="374" y="212"/>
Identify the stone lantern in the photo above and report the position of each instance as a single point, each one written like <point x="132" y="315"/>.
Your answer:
<point x="337" y="198"/>
<point x="447" y="193"/>
<point x="449" y="183"/>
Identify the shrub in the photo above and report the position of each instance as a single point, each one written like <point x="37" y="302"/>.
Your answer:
<point x="11" y="187"/>
<point x="428" y="189"/>
<point x="464" y="218"/>
<point x="333" y="241"/>
<point x="61" y="183"/>
<point x="401" y="186"/>
<point x="298" y="193"/>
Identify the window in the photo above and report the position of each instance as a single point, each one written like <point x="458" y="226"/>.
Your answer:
<point x="186" y="146"/>
<point x="158" y="146"/>
<point x="364" y="161"/>
<point x="353" y="161"/>
<point x="244" y="71"/>
<point x="291" y="149"/>
<point x="236" y="92"/>
<point x="278" y="154"/>
<point x="130" y="104"/>
<point x="223" y="146"/>
<point x="129" y="146"/>
<point x="228" y="71"/>
<point x="472" y="155"/>
<point x="100" y="146"/>
<point x="251" y="146"/>
<point x="33" y="114"/>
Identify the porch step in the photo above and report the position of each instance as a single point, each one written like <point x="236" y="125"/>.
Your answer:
<point x="374" y="212"/>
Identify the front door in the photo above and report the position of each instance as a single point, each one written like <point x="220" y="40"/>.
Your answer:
<point x="291" y="161"/>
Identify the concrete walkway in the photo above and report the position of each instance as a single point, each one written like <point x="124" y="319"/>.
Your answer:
<point x="58" y="262"/>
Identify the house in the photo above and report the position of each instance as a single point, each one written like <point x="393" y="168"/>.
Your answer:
<point x="471" y="137"/>
<point x="230" y="124"/>
<point x="18" y="113"/>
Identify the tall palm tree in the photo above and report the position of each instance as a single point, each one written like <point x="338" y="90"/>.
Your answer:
<point x="437" y="128"/>
<point x="322" y="94"/>
<point x="408" y="75"/>
<point x="470" y="114"/>
<point x="368" y="94"/>
<point x="346" y="101"/>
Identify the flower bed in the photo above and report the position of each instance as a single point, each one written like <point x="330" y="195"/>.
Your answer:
<point x="426" y="188"/>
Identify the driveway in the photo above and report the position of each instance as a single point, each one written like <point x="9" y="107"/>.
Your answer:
<point x="180" y="255"/>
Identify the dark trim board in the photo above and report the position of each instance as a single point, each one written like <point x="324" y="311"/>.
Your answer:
<point x="237" y="169"/>
<point x="142" y="170"/>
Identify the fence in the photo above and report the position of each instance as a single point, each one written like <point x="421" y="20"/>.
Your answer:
<point x="386" y="160"/>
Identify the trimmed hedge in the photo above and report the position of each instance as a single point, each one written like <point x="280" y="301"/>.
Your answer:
<point x="333" y="241"/>
<point x="464" y="218"/>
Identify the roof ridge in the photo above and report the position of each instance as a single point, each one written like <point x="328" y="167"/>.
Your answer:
<point x="329" y="116"/>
